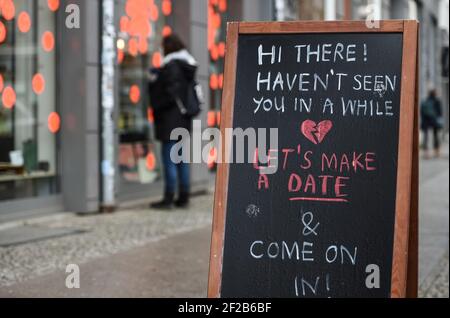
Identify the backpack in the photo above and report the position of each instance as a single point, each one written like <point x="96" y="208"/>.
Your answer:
<point x="194" y="100"/>
<point x="428" y="109"/>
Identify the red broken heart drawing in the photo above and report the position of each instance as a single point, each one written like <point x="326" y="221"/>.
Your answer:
<point x="316" y="132"/>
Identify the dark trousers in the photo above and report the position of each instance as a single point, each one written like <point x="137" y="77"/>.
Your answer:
<point x="436" y="142"/>
<point x="174" y="172"/>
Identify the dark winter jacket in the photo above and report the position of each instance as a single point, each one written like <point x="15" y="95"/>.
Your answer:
<point x="431" y="113"/>
<point x="167" y="85"/>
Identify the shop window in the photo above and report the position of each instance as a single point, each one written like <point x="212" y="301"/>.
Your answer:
<point x="29" y="119"/>
<point x="142" y="26"/>
<point x="217" y="20"/>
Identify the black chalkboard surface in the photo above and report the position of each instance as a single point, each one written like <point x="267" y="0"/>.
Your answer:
<point x="318" y="219"/>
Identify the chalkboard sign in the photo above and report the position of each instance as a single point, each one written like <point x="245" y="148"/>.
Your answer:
<point x="330" y="209"/>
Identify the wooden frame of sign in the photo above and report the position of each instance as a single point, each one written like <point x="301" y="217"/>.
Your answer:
<point x="404" y="282"/>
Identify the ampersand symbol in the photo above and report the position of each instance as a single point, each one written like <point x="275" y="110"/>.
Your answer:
<point x="307" y="220"/>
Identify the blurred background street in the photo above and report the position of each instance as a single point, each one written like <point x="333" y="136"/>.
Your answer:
<point x="144" y="253"/>
<point x="79" y="161"/>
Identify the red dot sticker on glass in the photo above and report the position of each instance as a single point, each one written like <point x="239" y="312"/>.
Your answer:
<point x="3" y="32"/>
<point x="143" y="45"/>
<point x="214" y="52"/>
<point x="53" y="5"/>
<point x="156" y="59"/>
<point x="221" y="48"/>
<point x="135" y="94"/>
<point x="8" y="9"/>
<point x="48" y="41"/>
<point x="211" y="119"/>
<point x="9" y="97"/>
<point x="54" y="122"/>
<point x="216" y="20"/>
<point x="151" y="161"/>
<point x="167" y="30"/>
<point x="24" y="22"/>
<point x="214" y="82"/>
<point x="120" y="56"/>
<point x="223" y="5"/>
<point x="220" y="81"/>
<point x="154" y="14"/>
<point x="38" y="83"/>
<point x="150" y="115"/>
<point x="166" y="7"/>
<point x="218" y="118"/>
<point x="124" y="22"/>
<point x="212" y="157"/>
<point x="133" y="47"/>
<point x="139" y="27"/>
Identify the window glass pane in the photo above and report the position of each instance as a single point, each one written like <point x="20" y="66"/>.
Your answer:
<point x="141" y="25"/>
<point x="29" y="120"/>
<point x="217" y="22"/>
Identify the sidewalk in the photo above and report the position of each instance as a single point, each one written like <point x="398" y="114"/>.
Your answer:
<point x="165" y="268"/>
<point x="434" y="227"/>
<point x="142" y="253"/>
<point x="98" y="238"/>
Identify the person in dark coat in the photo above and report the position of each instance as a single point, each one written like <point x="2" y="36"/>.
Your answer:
<point x="168" y="88"/>
<point x="431" y="119"/>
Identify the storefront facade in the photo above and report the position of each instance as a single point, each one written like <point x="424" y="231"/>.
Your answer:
<point x="71" y="141"/>
<point x="52" y="115"/>
<point x="29" y="111"/>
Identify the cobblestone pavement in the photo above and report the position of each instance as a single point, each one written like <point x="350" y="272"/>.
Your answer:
<point x="105" y="235"/>
<point x="436" y="284"/>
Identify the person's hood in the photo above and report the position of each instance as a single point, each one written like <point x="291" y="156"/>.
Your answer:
<point x="182" y="55"/>
<point x="185" y="60"/>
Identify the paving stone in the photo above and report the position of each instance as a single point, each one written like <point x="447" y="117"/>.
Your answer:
<point x="104" y="235"/>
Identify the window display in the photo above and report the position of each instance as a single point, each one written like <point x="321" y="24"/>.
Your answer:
<point x="217" y="21"/>
<point x="29" y="121"/>
<point x="142" y="25"/>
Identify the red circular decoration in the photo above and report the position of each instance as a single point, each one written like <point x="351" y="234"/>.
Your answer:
<point x="9" y="97"/>
<point x="151" y="161"/>
<point x="54" y="122"/>
<point x="133" y="47"/>
<point x="214" y="82"/>
<point x="157" y="59"/>
<point x="211" y="119"/>
<point x="221" y="49"/>
<point x="120" y="56"/>
<point x="124" y="22"/>
<point x="154" y="14"/>
<point x="3" y="32"/>
<point x="48" y="41"/>
<point x="24" y="22"/>
<point x="53" y="5"/>
<point x="143" y="45"/>
<point x="38" y="83"/>
<point x="8" y="9"/>
<point x="167" y="30"/>
<point x="135" y="94"/>
<point x="214" y="52"/>
<point x="150" y="115"/>
<point x="166" y="7"/>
